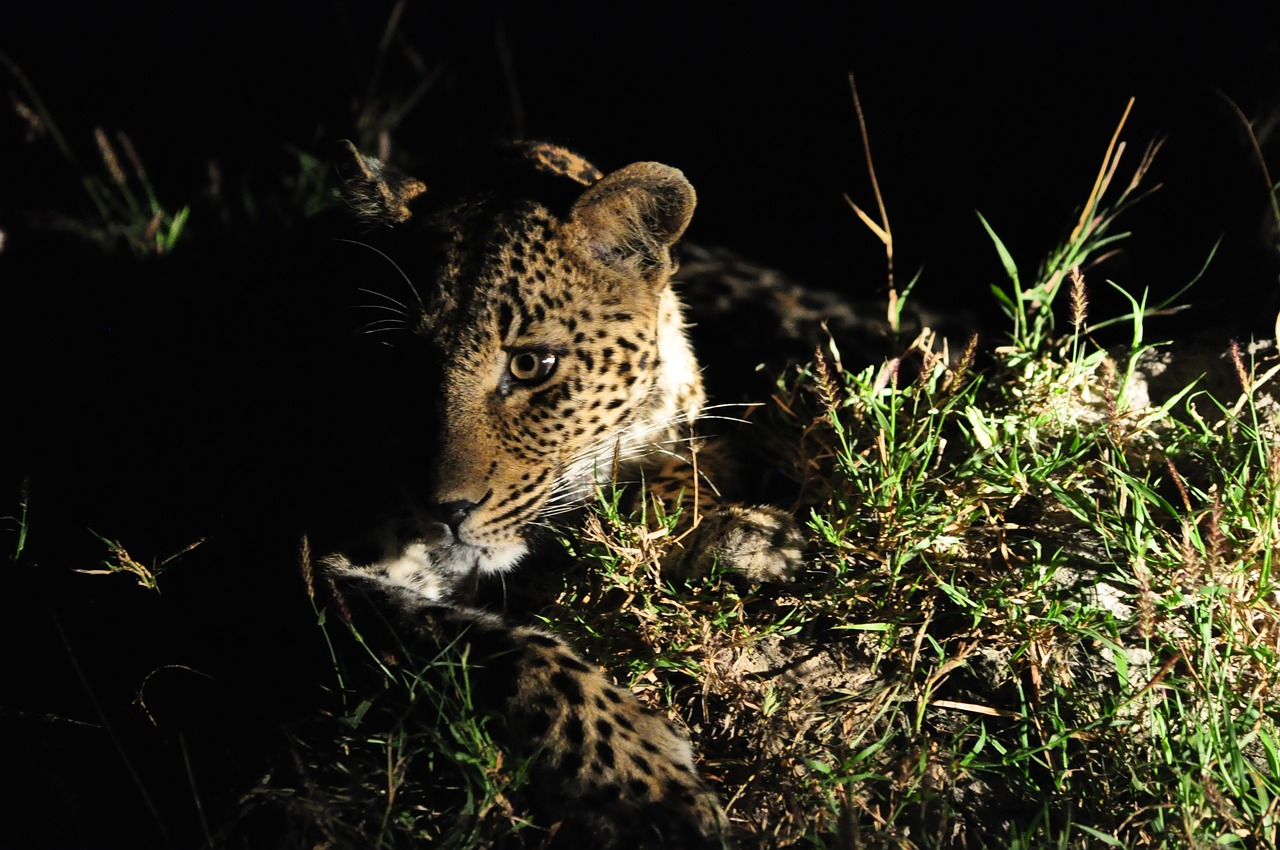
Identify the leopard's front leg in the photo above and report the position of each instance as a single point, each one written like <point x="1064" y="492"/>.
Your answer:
<point x="761" y="542"/>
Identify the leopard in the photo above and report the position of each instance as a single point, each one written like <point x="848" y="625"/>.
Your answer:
<point x="542" y="292"/>
<point x="548" y="302"/>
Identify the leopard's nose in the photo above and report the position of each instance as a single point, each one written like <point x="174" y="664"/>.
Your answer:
<point x="453" y="514"/>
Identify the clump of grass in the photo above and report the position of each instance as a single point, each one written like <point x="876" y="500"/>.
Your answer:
<point x="127" y="208"/>
<point x="403" y="760"/>
<point x="119" y="561"/>
<point x="1041" y="611"/>
<point x="398" y="758"/>
<point x="20" y="522"/>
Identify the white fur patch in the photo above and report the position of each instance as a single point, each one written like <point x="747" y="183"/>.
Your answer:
<point x="430" y="569"/>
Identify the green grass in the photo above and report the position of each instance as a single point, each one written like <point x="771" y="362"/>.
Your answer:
<point x="126" y="208"/>
<point x="1048" y="602"/>
<point x="397" y="757"/>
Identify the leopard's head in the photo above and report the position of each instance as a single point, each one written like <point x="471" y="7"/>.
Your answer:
<point x="541" y="289"/>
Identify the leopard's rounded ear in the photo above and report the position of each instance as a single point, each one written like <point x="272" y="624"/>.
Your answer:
<point x="630" y="219"/>
<point x="374" y="190"/>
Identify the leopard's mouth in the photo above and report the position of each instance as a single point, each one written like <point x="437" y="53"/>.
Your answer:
<point x="475" y="545"/>
<point x="461" y="557"/>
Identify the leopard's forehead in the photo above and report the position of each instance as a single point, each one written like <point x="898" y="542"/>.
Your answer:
<point x="504" y="268"/>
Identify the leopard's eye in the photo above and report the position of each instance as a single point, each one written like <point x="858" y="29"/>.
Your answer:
<point x="531" y="366"/>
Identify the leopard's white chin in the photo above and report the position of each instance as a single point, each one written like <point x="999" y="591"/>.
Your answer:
<point x="465" y="558"/>
<point x="433" y="565"/>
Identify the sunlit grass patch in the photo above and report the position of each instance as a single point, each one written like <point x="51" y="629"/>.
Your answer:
<point x="1041" y="608"/>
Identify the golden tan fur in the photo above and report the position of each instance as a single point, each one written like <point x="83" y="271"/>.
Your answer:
<point x="544" y="292"/>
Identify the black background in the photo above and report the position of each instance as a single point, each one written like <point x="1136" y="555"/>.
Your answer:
<point x="1002" y="108"/>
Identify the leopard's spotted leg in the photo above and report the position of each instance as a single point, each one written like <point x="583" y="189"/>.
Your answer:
<point x="603" y="767"/>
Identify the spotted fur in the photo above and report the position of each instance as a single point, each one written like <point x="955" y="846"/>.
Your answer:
<point x="542" y="288"/>
<point x="538" y="259"/>
<point x="602" y="767"/>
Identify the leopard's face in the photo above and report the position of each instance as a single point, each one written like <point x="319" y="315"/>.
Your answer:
<point x="548" y="358"/>
<point x="559" y="348"/>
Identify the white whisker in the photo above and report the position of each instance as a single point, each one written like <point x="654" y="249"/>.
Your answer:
<point x="404" y="308"/>
<point x="396" y="321"/>
<point x="394" y="265"/>
<point x="385" y="308"/>
<point x="371" y="331"/>
<point x="382" y="326"/>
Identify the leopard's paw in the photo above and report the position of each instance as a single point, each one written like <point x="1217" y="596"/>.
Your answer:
<point x="760" y="542"/>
